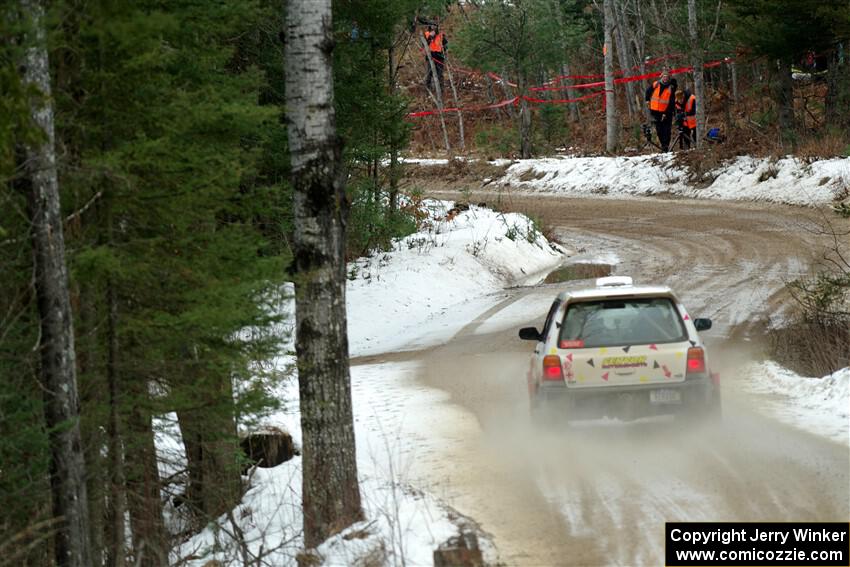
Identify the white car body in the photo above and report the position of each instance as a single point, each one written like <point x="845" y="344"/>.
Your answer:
<point x="620" y="350"/>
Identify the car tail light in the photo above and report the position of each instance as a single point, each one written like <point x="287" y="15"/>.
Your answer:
<point x="552" y="367"/>
<point x="696" y="361"/>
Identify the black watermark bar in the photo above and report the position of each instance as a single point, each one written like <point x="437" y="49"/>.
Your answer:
<point x="762" y="544"/>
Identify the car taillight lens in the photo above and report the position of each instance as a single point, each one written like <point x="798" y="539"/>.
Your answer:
<point x="552" y="367"/>
<point x="696" y="361"/>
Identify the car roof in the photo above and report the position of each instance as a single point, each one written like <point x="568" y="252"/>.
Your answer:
<point x="616" y="287"/>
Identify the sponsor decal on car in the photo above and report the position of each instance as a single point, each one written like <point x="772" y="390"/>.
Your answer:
<point x="624" y="361"/>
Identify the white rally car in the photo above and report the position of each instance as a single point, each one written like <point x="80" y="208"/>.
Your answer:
<point x="620" y="350"/>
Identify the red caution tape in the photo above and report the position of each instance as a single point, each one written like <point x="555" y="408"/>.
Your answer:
<point x="548" y="85"/>
<point x="631" y="79"/>
<point x="511" y="101"/>
<point x="464" y="70"/>
<point x="507" y="102"/>
<point x="515" y="100"/>
<point x="499" y="79"/>
<point x="647" y="63"/>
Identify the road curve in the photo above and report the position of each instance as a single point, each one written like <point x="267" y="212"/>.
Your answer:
<point x="599" y="494"/>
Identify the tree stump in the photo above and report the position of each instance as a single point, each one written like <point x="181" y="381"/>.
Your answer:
<point x="268" y="448"/>
<point x="459" y="551"/>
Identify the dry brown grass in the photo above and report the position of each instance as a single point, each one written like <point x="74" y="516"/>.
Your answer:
<point x="812" y="348"/>
<point x="455" y="174"/>
<point x="824" y="145"/>
<point x="532" y="174"/>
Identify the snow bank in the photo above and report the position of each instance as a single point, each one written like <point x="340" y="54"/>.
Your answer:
<point x="789" y="180"/>
<point x="396" y="299"/>
<point x="818" y="405"/>
<point x="453" y="263"/>
<point x="445" y="161"/>
<point x="403" y="524"/>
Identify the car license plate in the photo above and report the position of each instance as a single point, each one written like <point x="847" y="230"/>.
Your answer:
<point x="665" y="396"/>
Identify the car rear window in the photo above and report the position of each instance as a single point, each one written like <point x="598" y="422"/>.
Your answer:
<point x="621" y="322"/>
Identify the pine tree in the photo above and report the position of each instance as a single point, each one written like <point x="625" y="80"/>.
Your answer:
<point x="783" y="31"/>
<point x="160" y="113"/>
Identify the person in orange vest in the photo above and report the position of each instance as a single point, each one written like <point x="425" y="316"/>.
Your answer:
<point x="437" y="45"/>
<point x="660" y="97"/>
<point x="686" y="117"/>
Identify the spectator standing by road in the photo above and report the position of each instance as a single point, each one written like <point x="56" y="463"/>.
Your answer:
<point x="661" y="101"/>
<point x="686" y="118"/>
<point x="437" y="45"/>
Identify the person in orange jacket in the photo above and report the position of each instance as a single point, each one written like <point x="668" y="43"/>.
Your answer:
<point x="437" y="45"/>
<point x="686" y="117"/>
<point x="660" y="97"/>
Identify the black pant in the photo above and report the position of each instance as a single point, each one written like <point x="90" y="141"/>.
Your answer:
<point x="687" y="137"/>
<point x="439" y="63"/>
<point x="663" y="126"/>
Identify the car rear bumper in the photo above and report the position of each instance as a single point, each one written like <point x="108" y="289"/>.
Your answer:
<point x="695" y="394"/>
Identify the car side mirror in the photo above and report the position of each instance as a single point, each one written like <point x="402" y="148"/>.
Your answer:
<point x="530" y="334"/>
<point x="702" y="324"/>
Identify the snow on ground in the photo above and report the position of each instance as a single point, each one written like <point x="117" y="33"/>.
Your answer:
<point x="404" y="524"/>
<point x="445" y="161"/>
<point x="818" y="405"/>
<point x="518" y="308"/>
<point x="395" y="300"/>
<point x="788" y="180"/>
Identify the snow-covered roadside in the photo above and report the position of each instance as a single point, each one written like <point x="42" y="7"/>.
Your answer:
<point x="789" y="180"/>
<point x="404" y="523"/>
<point x="444" y="161"/>
<point x="818" y="405"/>
<point x="395" y="300"/>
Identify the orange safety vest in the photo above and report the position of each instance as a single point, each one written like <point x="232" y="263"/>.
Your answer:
<point x="436" y="43"/>
<point x="660" y="101"/>
<point x="690" y="121"/>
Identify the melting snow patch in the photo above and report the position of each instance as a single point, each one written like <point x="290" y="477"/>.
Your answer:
<point x="406" y="297"/>
<point x="818" y="405"/>
<point x="788" y="180"/>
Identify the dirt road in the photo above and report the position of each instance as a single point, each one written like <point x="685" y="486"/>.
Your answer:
<point x="599" y="494"/>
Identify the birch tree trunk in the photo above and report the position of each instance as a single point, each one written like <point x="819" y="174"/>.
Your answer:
<point x="558" y="13"/>
<point x="623" y="55"/>
<point x="733" y="70"/>
<point x="638" y="41"/>
<point x="574" y="111"/>
<point x="524" y="119"/>
<point x="508" y="93"/>
<point x="699" y="72"/>
<point x="72" y="547"/>
<point x="785" y="97"/>
<point x="448" y="71"/>
<point x="331" y="494"/>
<point x="395" y="173"/>
<point x="611" y="141"/>
<point x="437" y="95"/>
